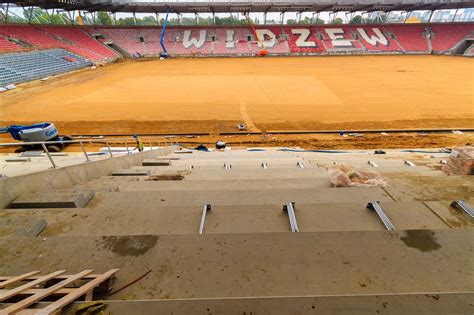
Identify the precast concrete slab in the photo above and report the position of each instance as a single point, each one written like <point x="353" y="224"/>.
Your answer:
<point x="258" y="173"/>
<point x="404" y="191"/>
<point x="322" y="217"/>
<point x="69" y="199"/>
<point x="224" y="184"/>
<point x="22" y="226"/>
<point x="260" y="265"/>
<point x="454" y="218"/>
<point x="392" y="304"/>
<point x="147" y="199"/>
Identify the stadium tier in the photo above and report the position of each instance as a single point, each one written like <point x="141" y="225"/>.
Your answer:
<point x="101" y="43"/>
<point x="237" y="40"/>
<point x="70" y="38"/>
<point x="288" y="40"/>
<point x="31" y="65"/>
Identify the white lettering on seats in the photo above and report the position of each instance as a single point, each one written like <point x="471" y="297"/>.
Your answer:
<point x="373" y="40"/>
<point x="302" y="40"/>
<point x="198" y="43"/>
<point x="337" y="37"/>
<point x="229" y="41"/>
<point x="269" y="40"/>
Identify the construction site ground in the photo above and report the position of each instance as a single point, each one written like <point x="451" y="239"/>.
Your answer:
<point x="268" y="94"/>
<point x="247" y="259"/>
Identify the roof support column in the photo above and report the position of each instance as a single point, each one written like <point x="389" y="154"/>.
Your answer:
<point x="282" y="17"/>
<point x="50" y="16"/>
<point x="454" y="16"/>
<point x="179" y="18"/>
<point x="431" y="16"/>
<point x="213" y="18"/>
<point x="347" y="20"/>
<point x="265" y="18"/>
<point x="28" y="16"/>
<point x="60" y="16"/>
<point x="157" y="17"/>
<point x="196" y="15"/>
<point x="408" y="16"/>
<point x="6" y="12"/>
<point x="134" y="18"/>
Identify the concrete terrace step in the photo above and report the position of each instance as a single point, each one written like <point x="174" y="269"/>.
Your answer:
<point x="237" y="184"/>
<point x="260" y="265"/>
<point x="434" y="303"/>
<point x="258" y="173"/>
<point x="234" y="166"/>
<point x="153" y="199"/>
<point x="322" y="217"/>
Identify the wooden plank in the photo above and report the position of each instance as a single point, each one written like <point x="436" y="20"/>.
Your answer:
<point x="62" y="302"/>
<point x="28" y="285"/>
<point x="17" y="278"/>
<point x="60" y="277"/>
<point x="62" y="291"/>
<point x="44" y="293"/>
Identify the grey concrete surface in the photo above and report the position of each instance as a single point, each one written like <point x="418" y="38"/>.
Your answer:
<point x="247" y="260"/>
<point x="259" y="265"/>
<point x="428" y="303"/>
<point x="68" y="176"/>
<point x="322" y="217"/>
<point x="152" y="199"/>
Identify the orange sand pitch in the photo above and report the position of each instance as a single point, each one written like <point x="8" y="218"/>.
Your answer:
<point x="283" y="93"/>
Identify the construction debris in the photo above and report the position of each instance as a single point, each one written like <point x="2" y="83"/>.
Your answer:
<point x="460" y="162"/>
<point x="164" y="177"/>
<point x="343" y="175"/>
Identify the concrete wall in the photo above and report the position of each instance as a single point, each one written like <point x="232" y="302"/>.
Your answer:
<point x="68" y="176"/>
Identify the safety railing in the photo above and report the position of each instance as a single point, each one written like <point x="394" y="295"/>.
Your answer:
<point x="159" y="141"/>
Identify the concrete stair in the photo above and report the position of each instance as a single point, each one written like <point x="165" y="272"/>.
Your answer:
<point x="247" y="260"/>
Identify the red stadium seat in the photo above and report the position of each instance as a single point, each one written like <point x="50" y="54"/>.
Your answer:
<point x="280" y="40"/>
<point x="70" y="38"/>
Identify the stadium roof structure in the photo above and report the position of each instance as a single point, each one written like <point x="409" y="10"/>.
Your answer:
<point x="222" y="6"/>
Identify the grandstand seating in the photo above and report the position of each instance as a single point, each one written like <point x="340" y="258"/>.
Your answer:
<point x="346" y="35"/>
<point x="238" y="40"/>
<point x="69" y="38"/>
<point x="6" y="45"/>
<point x="126" y="38"/>
<point x="26" y="66"/>
<point x="293" y="38"/>
<point x="374" y="39"/>
<point x="81" y="43"/>
<point x="410" y="37"/>
<point x="444" y="39"/>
